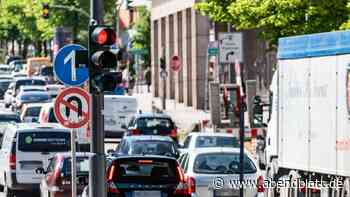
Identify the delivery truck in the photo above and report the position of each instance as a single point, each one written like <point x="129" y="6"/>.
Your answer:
<point x="308" y="135"/>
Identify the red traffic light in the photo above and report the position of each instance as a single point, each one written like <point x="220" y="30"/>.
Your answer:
<point x="104" y="36"/>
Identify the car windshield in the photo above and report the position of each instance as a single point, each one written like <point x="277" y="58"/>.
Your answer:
<point x="221" y="163"/>
<point x="216" y="141"/>
<point x="145" y="171"/>
<point x="44" y="141"/>
<point x="153" y="147"/>
<point x="160" y="124"/>
<point x="35" y="96"/>
<point x="30" y="82"/>
<point x="4" y="85"/>
<point x="52" y="117"/>
<point x="47" y="71"/>
<point x="9" y="118"/>
<point x="33" y="111"/>
<point x="82" y="165"/>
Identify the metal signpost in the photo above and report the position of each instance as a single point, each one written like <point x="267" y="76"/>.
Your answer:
<point x="72" y="110"/>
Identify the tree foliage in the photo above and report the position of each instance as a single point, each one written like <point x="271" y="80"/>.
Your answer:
<point x="141" y="39"/>
<point x="279" y="18"/>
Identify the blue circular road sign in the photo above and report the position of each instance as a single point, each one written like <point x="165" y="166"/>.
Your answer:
<point x="66" y="68"/>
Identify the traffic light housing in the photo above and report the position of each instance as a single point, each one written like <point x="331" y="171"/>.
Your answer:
<point x="102" y="60"/>
<point x="45" y="11"/>
<point x="162" y="63"/>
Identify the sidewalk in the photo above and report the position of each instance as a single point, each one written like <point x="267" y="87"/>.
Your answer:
<point x="183" y="116"/>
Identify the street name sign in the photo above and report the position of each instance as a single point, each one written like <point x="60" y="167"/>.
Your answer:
<point x="230" y="47"/>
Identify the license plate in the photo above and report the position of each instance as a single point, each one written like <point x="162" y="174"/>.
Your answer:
<point x="146" y="193"/>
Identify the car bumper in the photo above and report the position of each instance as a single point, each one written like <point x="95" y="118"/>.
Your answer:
<point x="14" y="185"/>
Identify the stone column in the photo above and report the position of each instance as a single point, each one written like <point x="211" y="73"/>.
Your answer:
<point x="171" y="80"/>
<point x="176" y="52"/>
<point x="161" y="44"/>
<point x="154" y="58"/>
<point x="185" y="34"/>
<point x="200" y="41"/>
<point x="181" y="55"/>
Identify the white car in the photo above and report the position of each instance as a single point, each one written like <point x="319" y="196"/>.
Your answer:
<point x="28" y="88"/>
<point x="30" y="112"/>
<point x="208" y="139"/>
<point x="215" y="172"/>
<point x="54" y="89"/>
<point x="25" y="148"/>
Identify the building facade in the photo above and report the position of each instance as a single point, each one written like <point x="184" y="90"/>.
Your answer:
<point x="178" y="29"/>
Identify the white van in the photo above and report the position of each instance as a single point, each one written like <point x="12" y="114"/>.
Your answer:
<point x="118" y="110"/>
<point x="25" y="148"/>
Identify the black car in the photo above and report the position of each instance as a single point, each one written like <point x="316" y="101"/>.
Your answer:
<point x="150" y="123"/>
<point x="4" y="84"/>
<point x="9" y="117"/>
<point x="146" y="175"/>
<point x="148" y="144"/>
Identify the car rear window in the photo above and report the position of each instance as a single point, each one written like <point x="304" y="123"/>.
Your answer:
<point x="163" y="124"/>
<point x="33" y="111"/>
<point x="52" y="117"/>
<point x="44" y="141"/>
<point x="216" y="141"/>
<point x="221" y="163"/>
<point x="10" y="118"/>
<point x="30" y="82"/>
<point x="153" y="147"/>
<point x="145" y="170"/>
<point x="82" y="165"/>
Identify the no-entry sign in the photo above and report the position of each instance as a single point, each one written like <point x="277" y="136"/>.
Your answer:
<point x="72" y="107"/>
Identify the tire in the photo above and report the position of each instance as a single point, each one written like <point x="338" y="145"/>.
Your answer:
<point x="8" y="192"/>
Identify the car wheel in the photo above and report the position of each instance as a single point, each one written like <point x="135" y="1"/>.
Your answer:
<point x="8" y="192"/>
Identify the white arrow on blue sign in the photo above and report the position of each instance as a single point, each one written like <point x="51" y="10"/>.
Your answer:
<point x="65" y="67"/>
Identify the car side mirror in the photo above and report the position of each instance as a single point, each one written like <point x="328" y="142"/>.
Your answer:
<point x="123" y="126"/>
<point x="40" y="171"/>
<point x="177" y="154"/>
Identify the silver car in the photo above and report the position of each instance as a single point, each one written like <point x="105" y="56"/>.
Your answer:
<point x="215" y="172"/>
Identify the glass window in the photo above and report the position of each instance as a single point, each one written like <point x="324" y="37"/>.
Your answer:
<point x="153" y="147"/>
<point x="146" y="170"/>
<point x="187" y="142"/>
<point x="159" y="124"/>
<point x="33" y="111"/>
<point x="44" y="141"/>
<point x="10" y="118"/>
<point x="52" y="164"/>
<point x="222" y="163"/>
<point x="216" y="141"/>
<point x="82" y="165"/>
<point x="52" y="117"/>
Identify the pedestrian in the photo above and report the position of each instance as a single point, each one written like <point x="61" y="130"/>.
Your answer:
<point x="148" y="79"/>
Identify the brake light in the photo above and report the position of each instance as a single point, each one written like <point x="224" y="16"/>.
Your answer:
<point x="112" y="188"/>
<point x="145" y="161"/>
<point x="260" y="184"/>
<point x="135" y="132"/>
<point x="12" y="161"/>
<point x="111" y="173"/>
<point x="173" y="133"/>
<point x="187" y="184"/>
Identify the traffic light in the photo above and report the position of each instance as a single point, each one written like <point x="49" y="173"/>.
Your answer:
<point x="45" y="10"/>
<point x="102" y="59"/>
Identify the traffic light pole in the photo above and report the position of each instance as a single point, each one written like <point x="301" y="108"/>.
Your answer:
<point x="97" y="176"/>
<point x="241" y="139"/>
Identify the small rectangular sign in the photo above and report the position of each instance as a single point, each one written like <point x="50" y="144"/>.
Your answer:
<point x="231" y="47"/>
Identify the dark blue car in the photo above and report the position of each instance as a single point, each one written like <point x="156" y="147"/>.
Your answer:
<point x="31" y="97"/>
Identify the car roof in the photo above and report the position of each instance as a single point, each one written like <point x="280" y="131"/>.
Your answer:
<point x="148" y="137"/>
<point x="35" y="92"/>
<point x="33" y="86"/>
<point x="78" y="154"/>
<point x="145" y="156"/>
<point x="29" y="127"/>
<point x="7" y="112"/>
<point x="196" y="134"/>
<point x="29" y="78"/>
<point x="151" y="115"/>
<point x="28" y="105"/>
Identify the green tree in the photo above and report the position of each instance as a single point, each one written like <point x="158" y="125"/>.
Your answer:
<point x="141" y="39"/>
<point x="279" y="18"/>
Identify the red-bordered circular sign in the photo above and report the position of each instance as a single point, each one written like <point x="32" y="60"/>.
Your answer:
<point x="175" y="63"/>
<point x="72" y="107"/>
